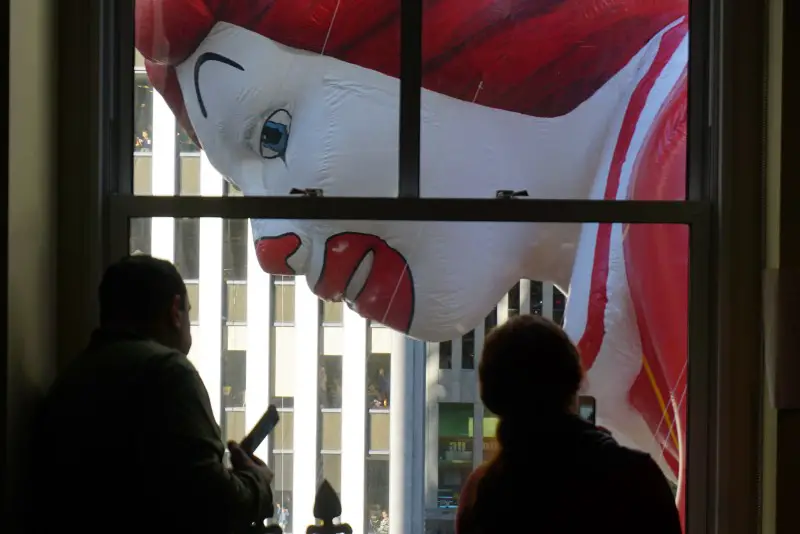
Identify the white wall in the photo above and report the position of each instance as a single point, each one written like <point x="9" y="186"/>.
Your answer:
<point x="31" y="232"/>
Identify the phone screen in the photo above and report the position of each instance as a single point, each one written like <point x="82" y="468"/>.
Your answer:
<point x="265" y="425"/>
<point x="587" y="406"/>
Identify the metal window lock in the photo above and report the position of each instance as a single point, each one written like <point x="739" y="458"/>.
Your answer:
<point x="508" y="193"/>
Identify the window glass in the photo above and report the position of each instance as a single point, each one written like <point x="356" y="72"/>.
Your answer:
<point x="233" y="424"/>
<point x="330" y="382"/>
<point x="143" y="114"/>
<point x="536" y="297"/>
<point x="332" y="471"/>
<point x="283" y="435"/>
<point x="189" y="174"/>
<point x="235" y="249"/>
<point x="281" y="351"/>
<point x="282" y="485"/>
<point x="283" y="302"/>
<point x="446" y="355"/>
<point x="379" y="369"/>
<point x="377" y="493"/>
<point x="468" y="350"/>
<point x="237" y="303"/>
<point x="513" y="301"/>
<point x="559" y="304"/>
<point x="332" y="312"/>
<point x="187" y="248"/>
<point x="192" y="291"/>
<point x="455" y="450"/>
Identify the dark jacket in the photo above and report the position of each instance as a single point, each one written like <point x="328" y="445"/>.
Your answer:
<point x="127" y="442"/>
<point x="565" y="476"/>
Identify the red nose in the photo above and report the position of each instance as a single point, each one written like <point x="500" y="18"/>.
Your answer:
<point x="273" y="253"/>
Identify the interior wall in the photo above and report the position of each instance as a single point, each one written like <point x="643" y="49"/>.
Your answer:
<point x="31" y="224"/>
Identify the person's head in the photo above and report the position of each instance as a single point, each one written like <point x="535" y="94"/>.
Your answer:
<point x="384" y="514"/>
<point x="529" y="366"/>
<point x="285" y="94"/>
<point x="381" y="372"/>
<point x="147" y="296"/>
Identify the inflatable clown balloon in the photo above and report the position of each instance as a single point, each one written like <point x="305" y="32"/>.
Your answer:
<point x="570" y="99"/>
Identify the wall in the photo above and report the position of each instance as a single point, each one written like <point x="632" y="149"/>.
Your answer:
<point x="31" y="214"/>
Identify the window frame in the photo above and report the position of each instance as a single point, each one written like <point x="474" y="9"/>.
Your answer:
<point x="726" y="67"/>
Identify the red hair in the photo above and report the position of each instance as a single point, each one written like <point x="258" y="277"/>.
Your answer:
<point x="537" y="57"/>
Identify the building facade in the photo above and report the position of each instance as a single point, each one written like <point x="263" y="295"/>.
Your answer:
<point x="395" y="425"/>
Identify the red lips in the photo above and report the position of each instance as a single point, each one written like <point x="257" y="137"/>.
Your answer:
<point x="388" y="294"/>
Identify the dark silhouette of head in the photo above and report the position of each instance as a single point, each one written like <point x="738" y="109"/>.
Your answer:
<point x="529" y="368"/>
<point x="146" y="296"/>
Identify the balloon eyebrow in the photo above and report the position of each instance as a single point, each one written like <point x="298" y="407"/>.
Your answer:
<point x="205" y="57"/>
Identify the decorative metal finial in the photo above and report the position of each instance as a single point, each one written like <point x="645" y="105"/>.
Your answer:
<point x="328" y="507"/>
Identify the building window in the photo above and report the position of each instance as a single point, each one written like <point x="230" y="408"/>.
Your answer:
<point x="513" y="301"/>
<point x="559" y="305"/>
<point x="187" y="248"/>
<point x="283" y="300"/>
<point x="234" y="373"/>
<point x="376" y="492"/>
<point x="330" y="382"/>
<point x="143" y="114"/>
<point x="455" y="450"/>
<point x="332" y="312"/>
<point x="189" y="174"/>
<point x="378" y="381"/>
<point x="468" y="350"/>
<point x="446" y="355"/>
<point x="537" y="297"/>
<point x="490" y="322"/>
<point x="236" y="303"/>
<point x="282" y="465"/>
<point x="141" y="235"/>
<point x="332" y="470"/>
<point x="235" y="247"/>
<point x="193" y="293"/>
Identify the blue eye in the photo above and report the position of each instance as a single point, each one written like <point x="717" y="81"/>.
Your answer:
<point x="275" y="135"/>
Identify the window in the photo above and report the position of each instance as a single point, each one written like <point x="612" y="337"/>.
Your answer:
<point x="330" y="382"/>
<point x="234" y="249"/>
<point x="143" y="114"/>
<point x="468" y="350"/>
<point x="376" y="492"/>
<point x="446" y="355"/>
<point x="379" y="381"/>
<point x="283" y="301"/>
<point x="547" y="121"/>
<point x="456" y="422"/>
<point x="332" y="312"/>
<point x="187" y="248"/>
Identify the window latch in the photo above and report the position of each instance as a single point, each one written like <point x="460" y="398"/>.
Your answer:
<point x="508" y="193"/>
<point x="306" y="192"/>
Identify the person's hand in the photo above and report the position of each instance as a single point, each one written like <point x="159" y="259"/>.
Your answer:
<point x="242" y="461"/>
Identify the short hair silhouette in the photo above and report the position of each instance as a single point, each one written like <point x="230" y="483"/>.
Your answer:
<point x="529" y="365"/>
<point x="139" y="289"/>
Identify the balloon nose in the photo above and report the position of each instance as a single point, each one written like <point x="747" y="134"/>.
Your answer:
<point x="273" y="253"/>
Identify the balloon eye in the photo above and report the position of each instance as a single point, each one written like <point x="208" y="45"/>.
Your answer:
<point x="275" y="135"/>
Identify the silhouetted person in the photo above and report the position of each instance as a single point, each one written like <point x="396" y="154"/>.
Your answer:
<point x="554" y="473"/>
<point x="128" y="441"/>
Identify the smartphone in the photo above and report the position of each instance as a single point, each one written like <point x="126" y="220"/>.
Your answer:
<point x="587" y="407"/>
<point x="265" y="425"/>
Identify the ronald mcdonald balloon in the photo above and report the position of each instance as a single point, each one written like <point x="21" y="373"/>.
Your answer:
<point x="569" y="99"/>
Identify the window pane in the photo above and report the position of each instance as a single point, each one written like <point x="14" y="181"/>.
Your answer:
<point x="377" y="493"/>
<point x="548" y="100"/>
<point x="379" y="370"/>
<point x="282" y="466"/>
<point x="140" y="236"/>
<point x="446" y="355"/>
<point x="332" y="471"/>
<point x="536" y="297"/>
<point x="283" y="296"/>
<point x="559" y="305"/>
<point x="234" y="377"/>
<point x="632" y="340"/>
<point x="189" y="174"/>
<point x="283" y="435"/>
<point x="468" y="350"/>
<point x="142" y="173"/>
<point x="233" y="426"/>
<point x="143" y="114"/>
<point x="330" y="382"/>
<point x="490" y="321"/>
<point x="331" y="431"/>
<point x="192" y="291"/>
<point x="332" y="312"/>
<point x="513" y="301"/>
<point x="187" y="248"/>
<point x="378" y="431"/>
<point x="237" y="303"/>
<point x="235" y="248"/>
